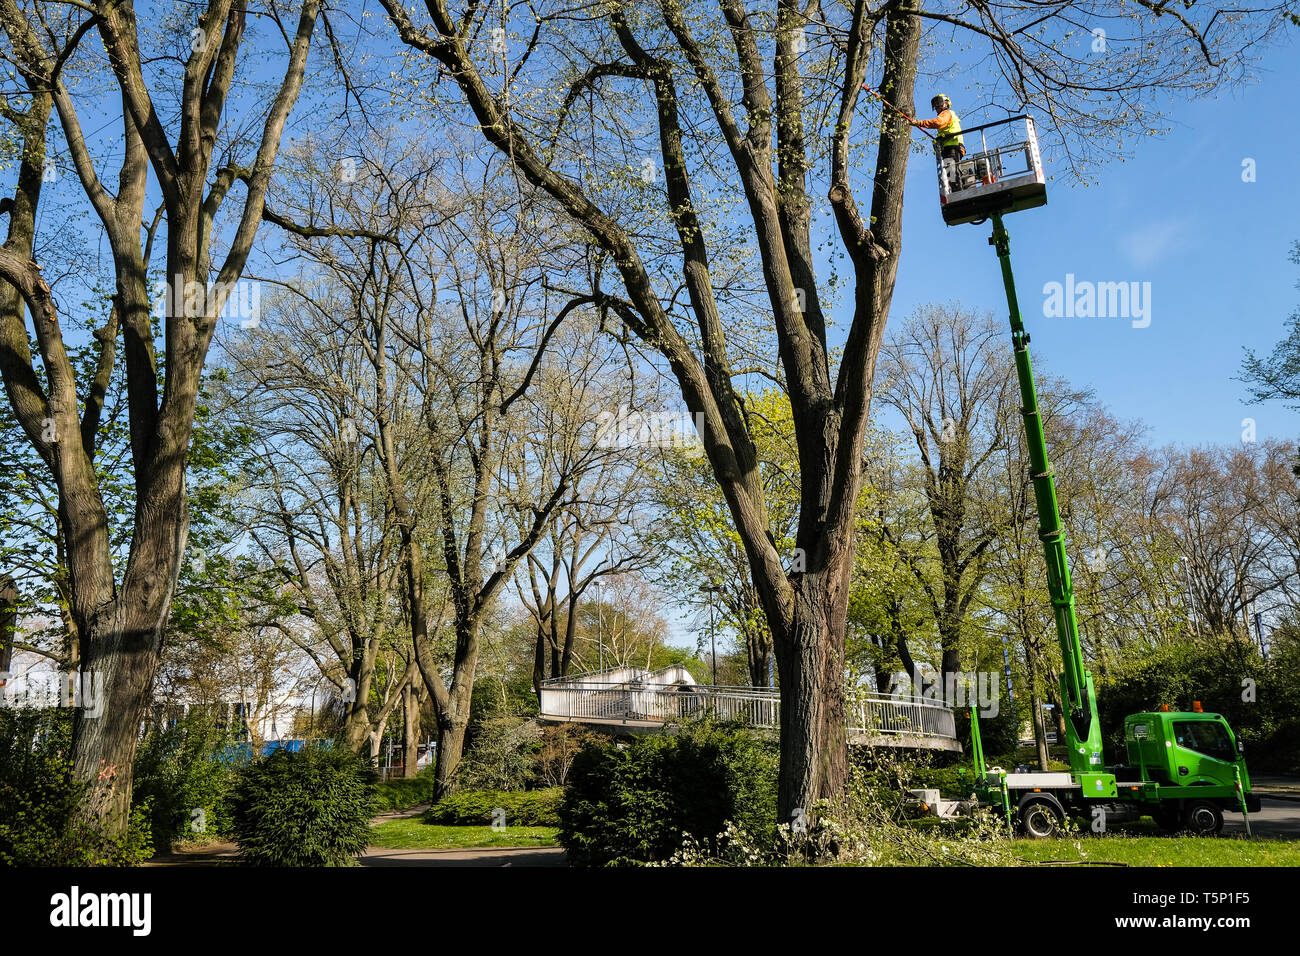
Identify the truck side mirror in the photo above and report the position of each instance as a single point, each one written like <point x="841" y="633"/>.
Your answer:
<point x="1241" y="747"/>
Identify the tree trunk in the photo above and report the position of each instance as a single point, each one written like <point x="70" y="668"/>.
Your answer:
<point x="539" y="659"/>
<point x="8" y="622"/>
<point x="451" y="746"/>
<point x="1040" y="728"/>
<point x="356" y="727"/>
<point x="758" y="647"/>
<point x="1058" y="712"/>
<point x="115" y="691"/>
<point x="814" y="742"/>
<point x="950" y="664"/>
<point x="570" y="635"/>
<point x="1036" y="714"/>
<point x="410" y="729"/>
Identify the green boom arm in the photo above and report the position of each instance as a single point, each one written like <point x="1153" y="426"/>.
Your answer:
<point x="1082" y="728"/>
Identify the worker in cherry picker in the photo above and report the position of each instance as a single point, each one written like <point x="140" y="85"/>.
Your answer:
<point x="948" y="124"/>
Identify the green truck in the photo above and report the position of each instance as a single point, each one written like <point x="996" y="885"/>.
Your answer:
<point x="1182" y="768"/>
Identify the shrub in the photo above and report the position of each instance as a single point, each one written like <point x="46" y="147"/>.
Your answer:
<point x="499" y="755"/>
<point x="635" y="802"/>
<point x="310" y="808"/>
<point x="527" y="808"/>
<point x="40" y="800"/>
<point x="402" y="793"/>
<point x="1000" y="734"/>
<point x="867" y="828"/>
<point x="179" y="777"/>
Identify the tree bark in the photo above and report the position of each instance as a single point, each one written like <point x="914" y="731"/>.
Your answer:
<point x="410" y="729"/>
<point x="8" y="621"/>
<point x="453" y="720"/>
<point x="814" y="741"/>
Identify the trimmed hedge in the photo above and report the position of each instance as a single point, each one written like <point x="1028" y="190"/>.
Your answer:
<point x="402" y="793"/>
<point x="633" y="803"/>
<point x="523" y="808"/>
<point x="310" y="808"/>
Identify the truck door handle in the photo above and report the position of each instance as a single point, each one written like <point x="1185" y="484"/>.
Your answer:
<point x="1182" y="771"/>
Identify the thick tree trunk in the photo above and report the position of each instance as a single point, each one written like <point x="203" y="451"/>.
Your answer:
<point x="356" y="727"/>
<point x="115" y="690"/>
<point x="814" y="742"/>
<point x="451" y="746"/>
<point x="951" y="617"/>
<point x="951" y="662"/>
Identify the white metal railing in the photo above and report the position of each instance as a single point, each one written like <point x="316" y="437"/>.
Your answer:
<point x="1006" y="155"/>
<point x="640" y="700"/>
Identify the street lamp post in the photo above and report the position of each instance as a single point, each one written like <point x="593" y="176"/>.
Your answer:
<point x="712" y="590"/>
<point x="600" y="646"/>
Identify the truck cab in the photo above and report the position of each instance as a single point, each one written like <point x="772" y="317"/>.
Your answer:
<point x="1190" y="757"/>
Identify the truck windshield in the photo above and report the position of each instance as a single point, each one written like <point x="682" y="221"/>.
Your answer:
<point x="1205" y="736"/>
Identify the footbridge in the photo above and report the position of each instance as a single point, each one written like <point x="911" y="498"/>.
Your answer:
<point x="631" y="700"/>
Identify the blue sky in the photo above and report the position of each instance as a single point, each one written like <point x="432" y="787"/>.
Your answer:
<point x="1176" y="214"/>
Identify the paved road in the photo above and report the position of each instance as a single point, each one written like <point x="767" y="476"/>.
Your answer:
<point x="1279" y="819"/>
<point x="495" y="856"/>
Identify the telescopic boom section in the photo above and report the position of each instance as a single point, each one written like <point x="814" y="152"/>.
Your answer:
<point x="1083" y="730"/>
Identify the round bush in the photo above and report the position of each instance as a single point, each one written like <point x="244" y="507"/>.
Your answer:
<point x="310" y="808"/>
<point x="635" y="803"/>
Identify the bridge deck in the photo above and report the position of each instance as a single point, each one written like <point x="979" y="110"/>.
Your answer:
<point x="628" y="700"/>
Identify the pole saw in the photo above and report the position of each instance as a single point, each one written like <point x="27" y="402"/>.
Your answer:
<point x="896" y="110"/>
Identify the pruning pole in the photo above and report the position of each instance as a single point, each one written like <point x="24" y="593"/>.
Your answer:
<point x="896" y="110"/>
<point x="1241" y="797"/>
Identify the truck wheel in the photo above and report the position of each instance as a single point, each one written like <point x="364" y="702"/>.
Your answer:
<point x="1039" y="820"/>
<point x="1203" y="818"/>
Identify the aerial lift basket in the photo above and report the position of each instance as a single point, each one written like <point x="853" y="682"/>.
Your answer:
<point x="1004" y="174"/>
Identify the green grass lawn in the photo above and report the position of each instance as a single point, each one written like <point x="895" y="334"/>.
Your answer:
<point x="413" y="834"/>
<point x="1135" y="850"/>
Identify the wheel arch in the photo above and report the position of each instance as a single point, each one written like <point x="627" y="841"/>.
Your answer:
<point x="1042" y="796"/>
